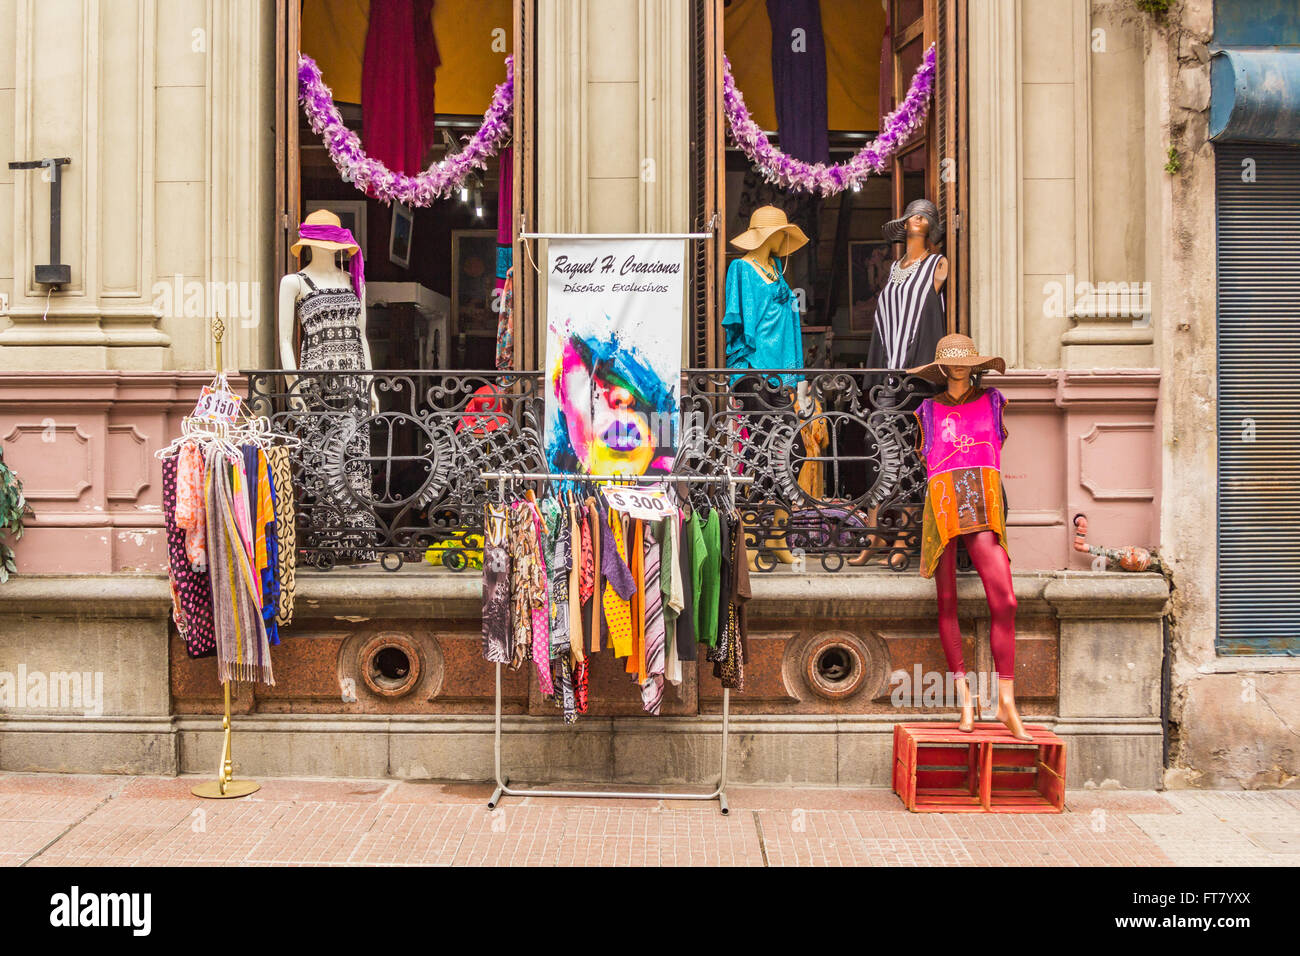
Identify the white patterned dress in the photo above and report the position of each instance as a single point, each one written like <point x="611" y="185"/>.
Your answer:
<point x="336" y="475"/>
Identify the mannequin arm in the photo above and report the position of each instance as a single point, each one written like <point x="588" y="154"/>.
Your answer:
<point x="940" y="273"/>
<point x="290" y="288"/>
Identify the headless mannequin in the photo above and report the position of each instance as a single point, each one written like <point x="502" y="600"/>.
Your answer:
<point x="959" y="383"/>
<point x="324" y="271"/>
<point x="761" y="259"/>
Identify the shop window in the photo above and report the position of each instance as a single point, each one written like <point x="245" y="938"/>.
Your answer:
<point x="873" y="48"/>
<point x="431" y="273"/>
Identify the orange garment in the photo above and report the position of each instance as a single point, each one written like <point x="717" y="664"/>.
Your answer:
<point x="265" y="516"/>
<point x="636" y="660"/>
<point x="816" y="438"/>
<point x="618" y="612"/>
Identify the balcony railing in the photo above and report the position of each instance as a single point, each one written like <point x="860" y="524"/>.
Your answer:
<point x="389" y="462"/>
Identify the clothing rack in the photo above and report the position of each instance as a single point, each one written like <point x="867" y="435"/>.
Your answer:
<point x="503" y="782"/>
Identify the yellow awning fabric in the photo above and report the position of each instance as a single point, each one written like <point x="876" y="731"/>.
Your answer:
<point x="852" y="30"/>
<point x="334" y="35"/>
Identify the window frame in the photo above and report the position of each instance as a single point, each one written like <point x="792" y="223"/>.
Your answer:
<point x="288" y="179"/>
<point x="943" y="22"/>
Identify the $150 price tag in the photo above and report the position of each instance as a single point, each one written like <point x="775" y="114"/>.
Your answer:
<point x="648" y="504"/>
<point x="217" y="405"/>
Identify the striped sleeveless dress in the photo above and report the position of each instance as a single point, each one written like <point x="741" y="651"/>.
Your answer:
<point x="909" y="317"/>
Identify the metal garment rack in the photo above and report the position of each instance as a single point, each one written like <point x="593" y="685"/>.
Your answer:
<point x="503" y="783"/>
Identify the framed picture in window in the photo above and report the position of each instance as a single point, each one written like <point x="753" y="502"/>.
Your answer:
<point x="473" y="276"/>
<point x="399" y="235"/>
<point x="351" y="213"/>
<point x="869" y="263"/>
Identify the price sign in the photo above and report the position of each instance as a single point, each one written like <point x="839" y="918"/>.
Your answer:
<point x="217" y="404"/>
<point x="649" y="504"/>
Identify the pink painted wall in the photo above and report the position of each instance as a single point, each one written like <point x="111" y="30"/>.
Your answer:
<point x="83" y="444"/>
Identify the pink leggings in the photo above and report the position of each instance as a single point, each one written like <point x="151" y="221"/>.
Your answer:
<point x="994" y="567"/>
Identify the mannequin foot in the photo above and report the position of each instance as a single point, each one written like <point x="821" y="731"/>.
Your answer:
<point x="967" y="723"/>
<point x="1007" y="712"/>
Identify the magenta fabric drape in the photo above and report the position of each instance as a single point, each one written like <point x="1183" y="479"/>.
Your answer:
<point x="397" y="80"/>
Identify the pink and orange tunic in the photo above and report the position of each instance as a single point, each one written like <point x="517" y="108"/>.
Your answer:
<point x="962" y="447"/>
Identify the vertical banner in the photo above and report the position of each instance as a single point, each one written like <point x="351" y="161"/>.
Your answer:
<point x="614" y="354"/>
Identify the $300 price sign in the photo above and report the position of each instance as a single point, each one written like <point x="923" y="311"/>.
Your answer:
<point x="646" y="503"/>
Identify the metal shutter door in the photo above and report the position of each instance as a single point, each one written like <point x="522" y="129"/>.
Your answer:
<point x="1258" y="258"/>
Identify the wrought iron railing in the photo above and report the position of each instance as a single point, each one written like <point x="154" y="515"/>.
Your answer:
<point x="389" y="464"/>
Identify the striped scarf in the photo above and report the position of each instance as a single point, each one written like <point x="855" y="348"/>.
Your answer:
<point x="243" y="652"/>
<point x="652" y="688"/>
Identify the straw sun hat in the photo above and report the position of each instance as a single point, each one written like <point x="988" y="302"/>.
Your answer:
<point x="953" y="350"/>
<point x="764" y="221"/>
<point x="323" y="217"/>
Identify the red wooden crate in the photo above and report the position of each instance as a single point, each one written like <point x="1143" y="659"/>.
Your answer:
<point x="937" y="768"/>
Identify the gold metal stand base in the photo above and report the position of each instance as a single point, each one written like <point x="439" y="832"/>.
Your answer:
<point x="236" y="788"/>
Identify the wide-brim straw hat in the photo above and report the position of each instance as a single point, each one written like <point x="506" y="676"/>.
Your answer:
<point x="323" y="217"/>
<point x="896" y="229"/>
<point x="764" y="221"/>
<point x="957" y="349"/>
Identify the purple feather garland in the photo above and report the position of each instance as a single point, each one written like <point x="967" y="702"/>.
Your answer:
<point x="374" y="178"/>
<point x="797" y="176"/>
<point x="438" y="181"/>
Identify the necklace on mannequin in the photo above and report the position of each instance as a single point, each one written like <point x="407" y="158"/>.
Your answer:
<point x="897" y="274"/>
<point x="768" y="271"/>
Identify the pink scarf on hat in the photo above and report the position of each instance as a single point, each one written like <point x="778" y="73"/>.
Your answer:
<point x="357" y="267"/>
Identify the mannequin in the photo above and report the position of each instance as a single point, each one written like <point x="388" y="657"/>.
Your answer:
<point x="910" y="315"/>
<point x="323" y="270"/>
<point x="960" y="437"/>
<point x="328" y="306"/>
<point x="909" y="320"/>
<point x="761" y="324"/>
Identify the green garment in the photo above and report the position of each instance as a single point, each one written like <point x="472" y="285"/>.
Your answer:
<point x="707" y="538"/>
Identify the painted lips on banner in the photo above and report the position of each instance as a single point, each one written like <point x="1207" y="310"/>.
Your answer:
<point x="614" y="355"/>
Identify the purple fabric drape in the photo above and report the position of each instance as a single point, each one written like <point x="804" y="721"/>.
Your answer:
<point x="505" y="214"/>
<point x="799" y="79"/>
<point x="397" y="79"/>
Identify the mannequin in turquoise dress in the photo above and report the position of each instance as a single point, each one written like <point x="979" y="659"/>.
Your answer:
<point x="761" y="320"/>
<point x="762" y="329"/>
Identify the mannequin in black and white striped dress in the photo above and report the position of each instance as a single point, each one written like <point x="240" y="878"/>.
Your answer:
<point x="910" y="317"/>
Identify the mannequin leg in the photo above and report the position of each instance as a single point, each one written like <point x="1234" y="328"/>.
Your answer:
<point x="945" y="583"/>
<point x="994" y="567"/>
<point x="945" y="580"/>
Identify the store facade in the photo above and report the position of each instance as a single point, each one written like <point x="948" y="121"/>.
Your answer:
<point x="1067" y="243"/>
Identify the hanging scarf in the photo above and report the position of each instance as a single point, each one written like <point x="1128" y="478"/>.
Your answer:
<point x="243" y="652"/>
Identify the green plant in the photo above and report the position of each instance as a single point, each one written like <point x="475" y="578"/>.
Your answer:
<point x="1174" y="164"/>
<point x="1157" y="8"/>
<point x="12" y="508"/>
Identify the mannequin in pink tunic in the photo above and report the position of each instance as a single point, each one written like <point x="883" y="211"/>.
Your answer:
<point x="960" y="437"/>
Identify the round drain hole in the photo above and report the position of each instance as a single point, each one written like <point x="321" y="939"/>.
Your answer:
<point x="390" y="664"/>
<point x="835" y="665"/>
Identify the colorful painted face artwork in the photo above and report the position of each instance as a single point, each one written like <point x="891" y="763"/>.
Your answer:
<point x="613" y="355"/>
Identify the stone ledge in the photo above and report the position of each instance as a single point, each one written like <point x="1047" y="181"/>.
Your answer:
<point x="1070" y="594"/>
<point x="78" y="595"/>
<point x="403" y="595"/>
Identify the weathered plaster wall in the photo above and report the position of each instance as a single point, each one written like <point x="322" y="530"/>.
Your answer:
<point x="1234" y="722"/>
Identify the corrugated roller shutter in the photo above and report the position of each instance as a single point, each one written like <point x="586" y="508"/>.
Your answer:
<point x="1258" y="214"/>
